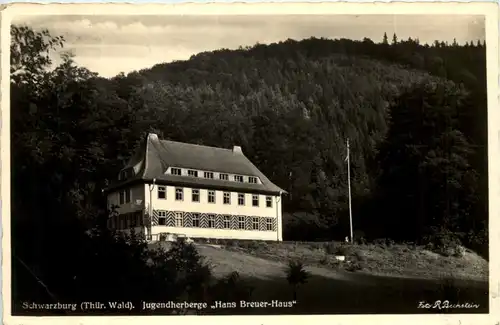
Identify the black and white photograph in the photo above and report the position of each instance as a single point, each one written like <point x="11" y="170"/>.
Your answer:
<point x="248" y="164"/>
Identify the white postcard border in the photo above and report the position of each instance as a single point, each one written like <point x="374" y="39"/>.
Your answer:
<point x="490" y="10"/>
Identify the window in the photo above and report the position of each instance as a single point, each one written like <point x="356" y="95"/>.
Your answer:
<point x="139" y="219"/>
<point x="269" y="224"/>
<point x="255" y="200"/>
<point x="175" y="171"/>
<point x="227" y="222"/>
<point x="269" y="202"/>
<point x="133" y="220"/>
<point x="241" y="199"/>
<point x="227" y="198"/>
<point x="208" y="175"/>
<point x="193" y="173"/>
<point x="211" y="196"/>
<point x="125" y="196"/>
<point x="162" y="218"/>
<point x="178" y="219"/>
<point x="223" y="177"/>
<point x="179" y="194"/>
<point x="255" y="223"/>
<point x="238" y="178"/>
<point x="196" y="219"/>
<point x="252" y="180"/>
<point x="241" y="222"/>
<point x="195" y="195"/>
<point x="124" y="174"/>
<point x="162" y="192"/>
<point x="211" y="221"/>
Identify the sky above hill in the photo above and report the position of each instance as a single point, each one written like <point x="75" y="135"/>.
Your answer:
<point x="112" y="44"/>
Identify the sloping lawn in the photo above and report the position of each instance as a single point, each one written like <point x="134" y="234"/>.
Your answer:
<point x="394" y="260"/>
<point x="333" y="290"/>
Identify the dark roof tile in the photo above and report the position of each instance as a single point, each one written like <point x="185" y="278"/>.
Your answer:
<point x="154" y="156"/>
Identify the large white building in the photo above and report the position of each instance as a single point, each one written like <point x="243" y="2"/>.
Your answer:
<point x="195" y="191"/>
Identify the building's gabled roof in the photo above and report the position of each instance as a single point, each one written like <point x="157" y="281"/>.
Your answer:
<point x="155" y="156"/>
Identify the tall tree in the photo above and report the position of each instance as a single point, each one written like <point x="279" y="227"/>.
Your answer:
<point x="426" y="174"/>
<point x="30" y="54"/>
<point x="394" y="39"/>
<point x="385" y="40"/>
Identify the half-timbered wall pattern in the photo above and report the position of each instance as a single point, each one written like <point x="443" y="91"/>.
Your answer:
<point x="214" y="221"/>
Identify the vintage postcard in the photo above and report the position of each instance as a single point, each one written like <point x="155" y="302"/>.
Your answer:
<point x="291" y="160"/>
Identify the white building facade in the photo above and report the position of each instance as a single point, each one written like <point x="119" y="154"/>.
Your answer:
<point x="171" y="188"/>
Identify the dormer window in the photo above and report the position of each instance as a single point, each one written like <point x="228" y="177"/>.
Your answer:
<point x="252" y="180"/>
<point x="193" y="173"/>
<point x="224" y="177"/>
<point x="208" y="175"/>
<point x="124" y="174"/>
<point x="238" y="178"/>
<point x="175" y="171"/>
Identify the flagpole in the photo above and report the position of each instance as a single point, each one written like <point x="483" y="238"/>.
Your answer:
<point x="349" y="186"/>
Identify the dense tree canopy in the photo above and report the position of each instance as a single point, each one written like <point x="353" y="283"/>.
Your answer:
<point x="415" y="115"/>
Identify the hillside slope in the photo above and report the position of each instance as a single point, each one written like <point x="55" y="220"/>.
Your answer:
<point x="333" y="290"/>
<point x="268" y="260"/>
<point x="290" y="115"/>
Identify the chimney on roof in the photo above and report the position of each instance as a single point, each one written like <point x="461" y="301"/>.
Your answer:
<point x="237" y="149"/>
<point x="153" y="136"/>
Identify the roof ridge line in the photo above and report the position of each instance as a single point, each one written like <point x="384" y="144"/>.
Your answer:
<point x="198" y="145"/>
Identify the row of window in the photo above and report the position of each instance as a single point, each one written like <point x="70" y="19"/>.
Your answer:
<point x="126" y="220"/>
<point x="210" y="175"/>
<point x="195" y="220"/>
<point x="226" y="198"/>
<point x="198" y="220"/>
<point x="125" y="197"/>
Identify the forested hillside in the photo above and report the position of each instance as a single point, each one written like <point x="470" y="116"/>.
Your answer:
<point x="292" y="105"/>
<point x="415" y="115"/>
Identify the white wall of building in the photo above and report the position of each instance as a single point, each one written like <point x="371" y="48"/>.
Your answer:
<point x="216" y="233"/>
<point x="187" y="205"/>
